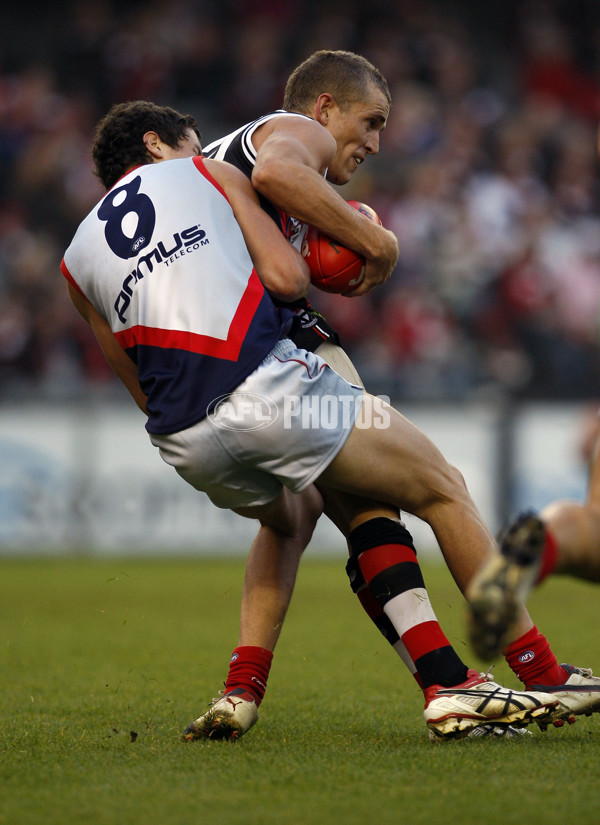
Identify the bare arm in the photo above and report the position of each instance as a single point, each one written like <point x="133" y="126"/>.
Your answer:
<point x="280" y="267"/>
<point x="292" y="157"/>
<point x="118" y="359"/>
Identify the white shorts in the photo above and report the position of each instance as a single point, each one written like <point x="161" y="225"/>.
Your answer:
<point x="282" y="426"/>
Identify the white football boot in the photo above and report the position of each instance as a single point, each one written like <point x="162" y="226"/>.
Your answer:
<point x="231" y="715"/>
<point x="580" y="693"/>
<point x="452" y="712"/>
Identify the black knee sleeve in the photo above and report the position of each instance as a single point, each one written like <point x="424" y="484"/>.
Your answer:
<point x="379" y="531"/>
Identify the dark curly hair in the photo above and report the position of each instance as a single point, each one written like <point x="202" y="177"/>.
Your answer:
<point x="118" y="140"/>
<point x="345" y="75"/>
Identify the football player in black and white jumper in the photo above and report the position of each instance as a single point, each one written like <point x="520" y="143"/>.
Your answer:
<point x="334" y="110"/>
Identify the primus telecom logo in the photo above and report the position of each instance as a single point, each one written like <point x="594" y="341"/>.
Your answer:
<point x="252" y="411"/>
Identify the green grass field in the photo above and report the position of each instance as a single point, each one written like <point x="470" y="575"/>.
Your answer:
<point x="103" y="663"/>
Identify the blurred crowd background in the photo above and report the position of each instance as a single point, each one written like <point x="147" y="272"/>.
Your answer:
<point x="488" y="174"/>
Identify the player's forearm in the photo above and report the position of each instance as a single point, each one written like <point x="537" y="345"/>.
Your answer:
<point x="303" y="193"/>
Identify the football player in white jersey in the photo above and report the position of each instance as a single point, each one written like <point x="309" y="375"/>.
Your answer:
<point x="335" y="107"/>
<point x="176" y="235"/>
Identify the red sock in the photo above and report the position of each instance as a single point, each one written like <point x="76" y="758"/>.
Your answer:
<point x="249" y="669"/>
<point x="549" y="558"/>
<point x="532" y="660"/>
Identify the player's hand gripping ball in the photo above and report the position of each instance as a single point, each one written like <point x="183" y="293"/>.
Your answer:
<point x="333" y="267"/>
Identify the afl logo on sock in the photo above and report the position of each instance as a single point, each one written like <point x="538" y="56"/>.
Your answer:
<point x="527" y="656"/>
<point x="234" y="657"/>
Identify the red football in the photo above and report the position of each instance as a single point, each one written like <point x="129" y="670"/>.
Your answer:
<point x="333" y="267"/>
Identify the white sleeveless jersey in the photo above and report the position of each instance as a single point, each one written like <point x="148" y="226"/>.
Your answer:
<point x="164" y="261"/>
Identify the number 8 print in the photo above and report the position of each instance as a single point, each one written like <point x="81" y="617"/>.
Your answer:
<point x="114" y="213"/>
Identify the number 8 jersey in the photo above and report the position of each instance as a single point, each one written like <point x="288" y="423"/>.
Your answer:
<point x="164" y="261"/>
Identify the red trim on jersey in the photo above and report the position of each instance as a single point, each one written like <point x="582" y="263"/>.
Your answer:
<point x="201" y="167"/>
<point x="228" y="349"/>
<point x="423" y="638"/>
<point x="69" y="277"/>
<point x="378" y="559"/>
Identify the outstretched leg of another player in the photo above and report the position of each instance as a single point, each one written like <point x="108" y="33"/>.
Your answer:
<point x="563" y="539"/>
<point x="575" y="529"/>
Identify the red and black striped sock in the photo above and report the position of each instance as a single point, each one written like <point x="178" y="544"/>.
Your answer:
<point x="377" y="615"/>
<point x="249" y="668"/>
<point x="388" y="563"/>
